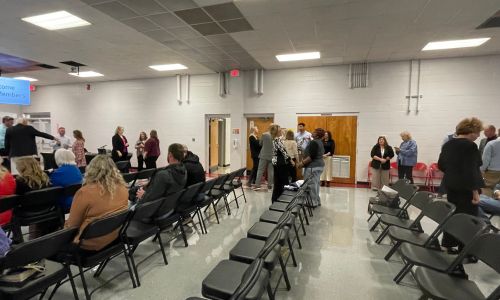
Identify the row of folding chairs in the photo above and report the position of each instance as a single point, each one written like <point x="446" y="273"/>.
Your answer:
<point x="142" y="221"/>
<point x="264" y="242"/>
<point x="439" y="274"/>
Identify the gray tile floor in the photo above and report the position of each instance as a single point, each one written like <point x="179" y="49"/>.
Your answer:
<point x="339" y="260"/>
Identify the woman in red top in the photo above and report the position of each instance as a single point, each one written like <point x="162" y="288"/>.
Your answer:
<point x="7" y="188"/>
<point x="152" y="150"/>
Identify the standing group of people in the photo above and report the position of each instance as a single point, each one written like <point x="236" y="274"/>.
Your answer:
<point x="282" y="153"/>
<point x="147" y="149"/>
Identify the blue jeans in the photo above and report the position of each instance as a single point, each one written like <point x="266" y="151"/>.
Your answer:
<point x="488" y="205"/>
<point x="314" y="183"/>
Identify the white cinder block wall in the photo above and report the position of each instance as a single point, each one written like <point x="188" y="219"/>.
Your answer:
<point x="452" y="89"/>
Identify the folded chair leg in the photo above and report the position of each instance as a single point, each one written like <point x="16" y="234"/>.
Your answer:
<point x="403" y="272"/>
<point x="72" y="281"/>
<point x="285" y="274"/>
<point x="243" y="192"/>
<point x="382" y="235"/>
<point x="183" y="233"/>
<point x="43" y="293"/>
<point x="162" y="248"/>
<point x="236" y="199"/>
<point x="391" y="252"/>
<point x="201" y="221"/>
<point x="291" y="251"/>
<point x="305" y="216"/>
<point x="101" y="267"/>
<point x="227" y="206"/>
<point x="270" y="293"/>
<point x="134" y="267"/>
<point x="375" y="225"/>
<point x="302" y="223"/>
<point x="371" y="216"/>
<point x="216" y="214"/>
<point x="297" y="235"/>
<point x="129" y="267"/>
<point x="84" y="283"/>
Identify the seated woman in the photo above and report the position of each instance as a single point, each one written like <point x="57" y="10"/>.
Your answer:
<point x="7" y="188"/>
<point x="103" y="193"/>
<point x="67" y="174"/>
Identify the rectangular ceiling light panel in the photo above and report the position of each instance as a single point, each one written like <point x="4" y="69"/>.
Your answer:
<point x="298" y="56"/>
<point x="26" y="78"/>
<point x="56" y="20"/>
<point x="170" y="67"/>
<point x="442" y="45"/>
<point x="86" y="74"/>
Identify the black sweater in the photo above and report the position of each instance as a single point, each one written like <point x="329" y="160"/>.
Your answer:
<point x="20" y="140"/>
<point x="388" y="153"/>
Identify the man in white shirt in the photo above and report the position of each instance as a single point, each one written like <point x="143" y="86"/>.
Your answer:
<point x="491" y="166"/>
<point x="63" y="141"/>
<point x="302" y="137"/>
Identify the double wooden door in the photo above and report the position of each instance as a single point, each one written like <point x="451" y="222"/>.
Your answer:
<point x="344" y="132"/>
<point x="263" y="124"/>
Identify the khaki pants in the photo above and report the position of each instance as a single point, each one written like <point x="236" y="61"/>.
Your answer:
<point x="491" y="178"/>
<point x="327" y="171"/>
<point x="379" y="178"/>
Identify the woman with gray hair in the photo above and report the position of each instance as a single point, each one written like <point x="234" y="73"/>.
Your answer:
<point x="407" y="156"/>
<point x="65" y="175"/>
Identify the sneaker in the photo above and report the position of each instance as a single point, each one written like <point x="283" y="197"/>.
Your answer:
<point x="256" y="188"/>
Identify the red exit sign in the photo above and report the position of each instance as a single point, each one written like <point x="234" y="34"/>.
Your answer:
<point x="235" y="73"/>
<point x="32" y="88"/>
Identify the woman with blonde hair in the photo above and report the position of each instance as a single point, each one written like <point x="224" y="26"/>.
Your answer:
<point x="293" y="151"/>
<point x="460" y="161"/>
<point x="280" y="161"/>
<point x="407" y="156"/>
<point x="79" y="148"/>
<point x="31" y="176"/>
<point x="7" y="188"/>
<point x="103" y="193"/>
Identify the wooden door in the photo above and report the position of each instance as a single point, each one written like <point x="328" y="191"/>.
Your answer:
<point x="263" y="124"/>
<point x="312" y="122"/>
<point x="214" y="143"/>
<point x="344" y="132"/>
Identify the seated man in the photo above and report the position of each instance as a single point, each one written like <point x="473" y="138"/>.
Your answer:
<point x="195" y="171"/>
<point x="490" y="205"/>
<point x="168" y="180"/>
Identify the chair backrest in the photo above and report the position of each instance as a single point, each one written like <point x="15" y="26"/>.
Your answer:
<point x="486" y="248"/>
<point x="129" y="177"/>
<point x="420" y="167"/>
<point x="49" y="161"/>
<point x="9" y="202"/>
<point x="439" y="211"/>
<point x="145" y="174"/>
<point x="209" y="184"/>
<point x="248" y="280"/>
<point x="464" y="227"/>
<point x="82" y="169"/>
<point x="270" y="244"/>
<point x="191" y="192"/>
<point x="407" y="191"/>
<point x="71" y="190"/>
<point x="37" y="249"/>
<point x="231" y="176"/>
<point x="399" y="183"/>
<point x="421" y="199"/>
<point x="240" y="173"/>
<point x="170" y="203"/>
<point x="221" y="179"/>
<point x="145" y="210"/>
<point x="104" y="225"/>
<point x="122" y="166"/>
<point x="283" y="220"/>
<point x="41" y="200"/>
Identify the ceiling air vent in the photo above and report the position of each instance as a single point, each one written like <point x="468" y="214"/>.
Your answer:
<point x="492" y="22"/>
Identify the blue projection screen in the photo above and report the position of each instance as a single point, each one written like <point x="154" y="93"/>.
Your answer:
<point x="14" y="91"/>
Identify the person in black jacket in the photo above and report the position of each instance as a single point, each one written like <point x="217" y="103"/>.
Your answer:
<point x="195" y="171"/>
<point x="460" y="160"/>
<point x="255" y="147"/>
<point x="120" y="145"/>
<point x="381" y="155"/>
<point x="20" y="141"/>
<point x="280" y="160"/>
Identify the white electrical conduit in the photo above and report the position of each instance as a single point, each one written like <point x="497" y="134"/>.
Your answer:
<point x="409" y="87"/>
<point x="418" y="86"/>
<point x="256" y="81"/>
<point x="261" y="82"/>
<point x="187" y="88"/>
<point x="179" y="88"/>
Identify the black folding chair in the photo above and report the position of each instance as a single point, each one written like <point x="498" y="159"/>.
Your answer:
<point x="227" y="188"/>
<point x="49" y="161"/>
<point x="237" y="183"/>
<point x="437" y="211"/>
<point x="166" y="215"/>
<point x="37" y="207"/>
<point x="38" y="250"/>
<point x="123" y="166"/>
<point x="465" y="228"/>
<point x="419" y="200"/>
<point x="145" y="174"/>
<point x="187" y="207"/>
<point x="71" y="190"/>
<point x="135" y="231"/>
<point x="204" y="200"/>
<point x="89" y="259"/>
<point x="9" y="203"/>
<point x="130" y="178"/>
<point x="437" y="285"/>
<point x="295" y="207"/>
<point x="217" y="194"/>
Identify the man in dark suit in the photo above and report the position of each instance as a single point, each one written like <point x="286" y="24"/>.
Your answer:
<point x="20" y="141"/>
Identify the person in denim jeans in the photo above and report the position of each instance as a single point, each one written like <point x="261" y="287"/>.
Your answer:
<point x="313" y="164"/>
<point x="489" y="205"/>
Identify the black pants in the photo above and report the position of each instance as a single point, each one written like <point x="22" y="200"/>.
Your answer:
<point x="6" y="161"/>
<point x="151" y="162"/>
<point x="292" y="172"/>
<point x="253" y="174"/>
<point x="140" y="162"/>
<point x="405" y="172"/>
<point x="280" y="180"/>
<point x="463" y="202"/>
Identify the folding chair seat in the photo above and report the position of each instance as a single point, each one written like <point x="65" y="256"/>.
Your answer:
<point x="227" y="187"/>
<point x="419" y="200"/>
<point x="187" y="207"/>
<point x="437" y="285"/>
<point x="437" y="211"/>
<point x="42" y="248"/>
<point x="397" y="186"/>
<point x="275" y="217"/>
<point x="463" y="227"/>
<point x="294" y="207"/>
<point x="218" y="194"/>
<point x="237" y="183"/>
<point x="205" y="200"/>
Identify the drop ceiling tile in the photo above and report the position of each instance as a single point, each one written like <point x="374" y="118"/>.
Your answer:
<point x="209" y="50"/>
<point x="143" y="7"/>
<point x="222" y="40"/>
<point x="225" y="11"/>
<point x="91" y="2"/>
<point x="198" y="42"/>
<point x="184" y="32"/>
<point x="176" y="45"/>
<point x="194" y="16"/>
<point x="208" y="28"/>
<point x="175" y="5"/>
<point x="219" y="56"/>
<point x="116" y="10"/>
<point x="236" y="25"/>
<point x="167" y="20"/>
<point x="140" y="24"/>
<point x="160" y="35"/>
